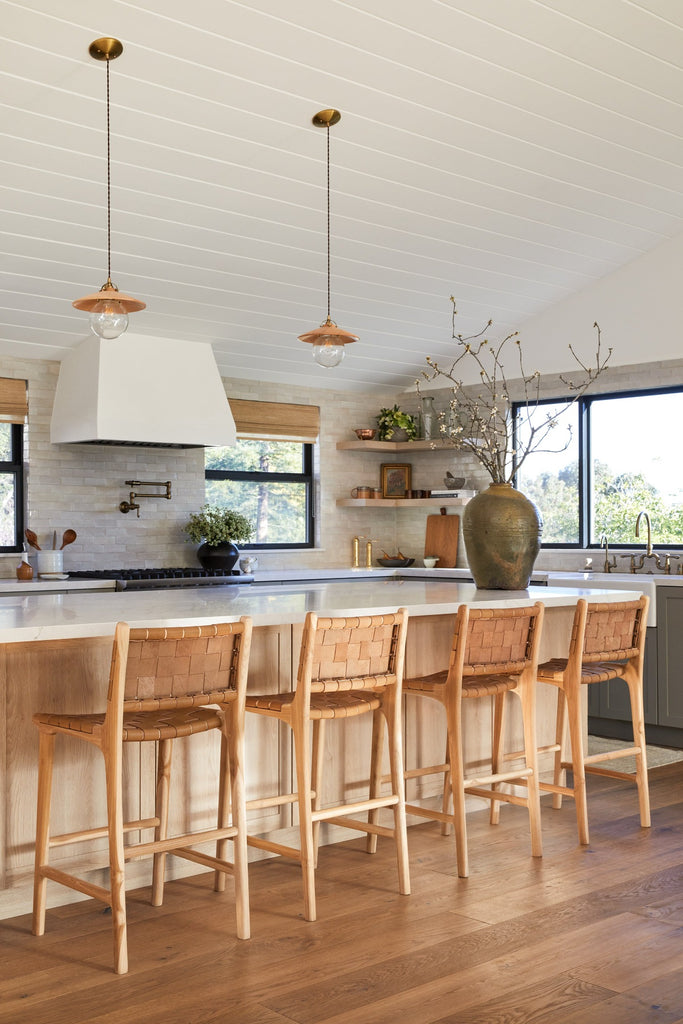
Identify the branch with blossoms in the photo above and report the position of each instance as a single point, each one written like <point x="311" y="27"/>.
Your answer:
<point x="481" y="421"/>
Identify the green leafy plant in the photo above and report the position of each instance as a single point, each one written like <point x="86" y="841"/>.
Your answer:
<point x="393" y="419"/>
<point x="216" y="524"/>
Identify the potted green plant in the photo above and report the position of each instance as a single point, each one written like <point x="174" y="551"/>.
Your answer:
<point x="390" y="421"/>
<point x="219" y="528"/>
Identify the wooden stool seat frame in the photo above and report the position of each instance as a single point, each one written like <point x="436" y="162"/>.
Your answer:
<point x="160" y="683"/>
<point x="607" y="642"/>
<point x="494" y="652"/>
<point x="348" y="666"/>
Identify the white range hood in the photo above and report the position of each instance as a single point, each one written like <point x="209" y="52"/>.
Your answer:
<point x="141" y="391"/>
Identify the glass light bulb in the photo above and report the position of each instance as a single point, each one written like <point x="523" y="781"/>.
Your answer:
<point x="327" y="353"/>
<point x="108" y="319"/>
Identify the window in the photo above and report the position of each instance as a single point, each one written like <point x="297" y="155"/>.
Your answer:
<point x="613" y="467"/>
<point x="271" y="483"/>
<point x="11" y="487"/>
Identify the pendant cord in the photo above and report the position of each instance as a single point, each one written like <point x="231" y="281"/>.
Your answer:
<point x="328" y="222"/>
<point x="108" y="184"/>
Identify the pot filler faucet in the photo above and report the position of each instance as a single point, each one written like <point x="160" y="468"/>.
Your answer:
<point x="128" y="506"/>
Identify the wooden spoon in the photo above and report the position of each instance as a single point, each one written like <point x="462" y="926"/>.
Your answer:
<point x="68" y="537"/>
<point x="32" y="538"/>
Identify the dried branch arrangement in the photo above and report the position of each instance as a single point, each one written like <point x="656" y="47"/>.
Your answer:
<point x="479" y="416"/>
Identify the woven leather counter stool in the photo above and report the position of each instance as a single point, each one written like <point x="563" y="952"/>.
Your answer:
<point x="160" y="685"/>
<point x="494" y="652"/>
<point x="607" y="642"/>
<point x="348" y="666"/>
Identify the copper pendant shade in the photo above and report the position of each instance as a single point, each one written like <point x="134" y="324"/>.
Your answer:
<point x="328" y="340"/>
<point x="108" y="308"/>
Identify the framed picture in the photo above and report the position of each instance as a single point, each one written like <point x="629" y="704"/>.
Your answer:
<point x="396" y="479"/>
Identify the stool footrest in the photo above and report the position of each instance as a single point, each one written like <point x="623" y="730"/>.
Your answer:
<point x="207" y="860"/>
<point x="326" y="813"/>
<point x="174" y="843"/>
<point x="100" y="833"/>
<point x="97" y="892"/>
<point x="363" y="826"/>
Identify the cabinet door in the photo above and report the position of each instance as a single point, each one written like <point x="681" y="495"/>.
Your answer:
<point x="670" y="656"/>
<point x="611" y="700"/>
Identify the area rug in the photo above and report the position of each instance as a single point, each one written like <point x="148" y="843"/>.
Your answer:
<point x="655" y="755"/>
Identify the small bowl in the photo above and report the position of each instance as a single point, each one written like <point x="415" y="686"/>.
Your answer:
<point x="395" y="563"/>
<point x="365" y="433"/>
<point x="455" y="483"/>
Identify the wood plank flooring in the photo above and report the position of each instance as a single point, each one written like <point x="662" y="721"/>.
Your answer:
<point x="585" y="935"/>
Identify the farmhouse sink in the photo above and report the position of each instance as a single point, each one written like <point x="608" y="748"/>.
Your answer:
<point x="640" y="582"/>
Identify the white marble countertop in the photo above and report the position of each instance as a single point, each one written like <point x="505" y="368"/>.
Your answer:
<point x="27" y="617"/>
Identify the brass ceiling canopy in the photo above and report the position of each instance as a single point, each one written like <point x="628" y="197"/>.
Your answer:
<point x="108" y="308"/>
<point x="106" y="48"/>
<point x="328" y="340"/>
<point x="326" y="118"/>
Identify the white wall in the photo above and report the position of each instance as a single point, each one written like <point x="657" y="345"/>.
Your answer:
<point x="638" y="308"/>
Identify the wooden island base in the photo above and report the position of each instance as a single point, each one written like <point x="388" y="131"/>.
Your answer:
<point x="71" y="674"/>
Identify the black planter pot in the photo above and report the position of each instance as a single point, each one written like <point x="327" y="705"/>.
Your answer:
<point x="218" y="556"/>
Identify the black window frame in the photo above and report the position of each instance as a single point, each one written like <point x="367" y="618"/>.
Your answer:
<point x="586" y="510"/>
<point x="305" y="477"/>
<point x="15" y="467"/>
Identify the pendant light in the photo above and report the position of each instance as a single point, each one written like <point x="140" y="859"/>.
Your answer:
<point x="328" y="340"/>
<point x="108" y="308"/>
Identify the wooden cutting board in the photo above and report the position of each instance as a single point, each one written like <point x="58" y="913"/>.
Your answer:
<point x="441" y="539"/>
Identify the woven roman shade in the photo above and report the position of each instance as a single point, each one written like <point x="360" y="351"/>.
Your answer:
<point x="13" y="400"/>
<point x="275" y="421"/>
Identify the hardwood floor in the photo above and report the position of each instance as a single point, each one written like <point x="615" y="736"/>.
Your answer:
<point x="583" y="935"/>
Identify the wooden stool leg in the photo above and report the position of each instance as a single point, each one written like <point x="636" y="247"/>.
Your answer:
<point x="45" y="763"/>
<point x="395" y="740"/>
<point x="302" y="753"/>
<point x="560" y="773"/>
<point x="497" y="750"/>
<point x="375" y="774"/>
<point x="234" y="744"/>
<point x="457" y="776"/>
<point x="447" y="795"/>
<point x="317" y="754"/>
<point x="224" y="809"/>
<point x="573" y="697"/>
<point x="113" y="759"/>
<point x="527" y="694"/>
<point x="164" y="755"/>
<point x="638" y="719"/>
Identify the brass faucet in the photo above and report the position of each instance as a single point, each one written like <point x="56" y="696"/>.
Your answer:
<point x="608" y="566"/>
<point x="131" y="505"/>
<point x="662" y="561"/>
<point x="648" y="550"/>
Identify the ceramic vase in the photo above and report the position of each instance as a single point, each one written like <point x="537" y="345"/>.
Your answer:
<point x="218" y="556"/>
<point x="502" y="533"/>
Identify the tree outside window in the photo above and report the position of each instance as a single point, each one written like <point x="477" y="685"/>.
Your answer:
<point x="270" y="482"/>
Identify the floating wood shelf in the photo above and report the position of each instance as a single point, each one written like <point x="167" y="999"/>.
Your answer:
<point x="437" y="445"/>
<point x="401" y="502"/>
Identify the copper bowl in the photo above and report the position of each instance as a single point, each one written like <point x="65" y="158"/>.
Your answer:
<point x="365" y="433"/>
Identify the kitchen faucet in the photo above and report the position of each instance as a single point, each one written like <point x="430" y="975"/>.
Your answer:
<point x="648" y="550"/>
<point x="663" y="563"/>
<point x="608" y="566"/>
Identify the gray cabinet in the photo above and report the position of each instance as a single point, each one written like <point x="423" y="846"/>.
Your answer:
<point x="608" y="707"/>
<point x="611" y="701"/>
<point x="670" y="656"/>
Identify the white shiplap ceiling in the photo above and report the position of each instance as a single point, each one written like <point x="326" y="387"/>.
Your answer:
<point x="509" y="152"/>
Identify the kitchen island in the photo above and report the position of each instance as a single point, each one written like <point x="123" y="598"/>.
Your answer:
<point x="55" y="651"/>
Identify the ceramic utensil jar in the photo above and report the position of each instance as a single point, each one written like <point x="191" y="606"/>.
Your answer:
<point x="49" y="562"/>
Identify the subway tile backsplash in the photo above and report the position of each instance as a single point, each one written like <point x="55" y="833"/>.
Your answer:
<point x="81" y="486"/>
